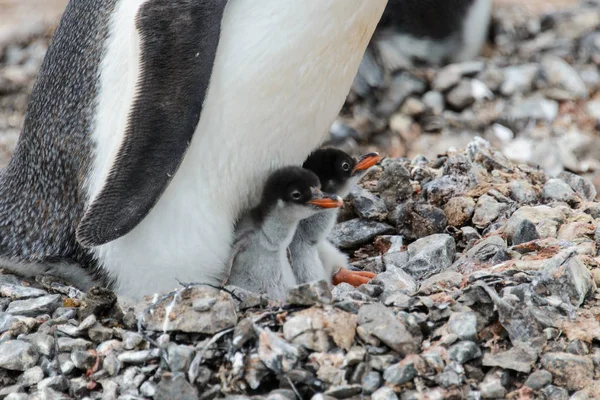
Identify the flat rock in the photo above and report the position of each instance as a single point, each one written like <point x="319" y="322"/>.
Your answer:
<point x="36" y="306"/>
<point x="320" y="329"/>
<point x="378" y="321"/>
<point x="176" y="313"/>
<point x="520" y="359"/>
<point x="356" y="232"/>
<point x="172" y="387"/>
<point x="430" y="255"/>
<point x="571" y="371"/>
<point x="17" y="355"/>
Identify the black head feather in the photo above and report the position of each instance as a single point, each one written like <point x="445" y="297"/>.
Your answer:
<point x="333" y="168"/>
<point x="292" y="185"/>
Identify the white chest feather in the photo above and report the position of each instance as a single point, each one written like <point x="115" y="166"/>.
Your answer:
<point x="281" y="75"/>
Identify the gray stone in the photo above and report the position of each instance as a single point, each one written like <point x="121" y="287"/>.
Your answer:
<point x="82" y="359"/>
<point x="434" y="101"/>
<point x="519" y="79"/>
<point x="583" y="187"/>
<point x="139" y="357"/>
<point x="310" y="294"/>
<point x="179" y="357"/>
<point x="519" y="358"/>
<point x="394" y="280"/>
<point x="44" y="344"/>
<point x="394" y="185"/>
<point x="58" y="383"/>
<point x="148" y="389"/>
<point x="367" y="205"/>
<point x="65" y="344"/>
<point x="415" y="221"/>
<point x="343" y="391"/>
<point x="488" y="252"/>
<point x="17" y="292"/>
<point x="131" y="340"/>
<point x="7" y="321"/>
<point x="468" y="92"/>
<point x="8" y="390"/>
<point x="32" y="376"/>
<point x="440" y="282"/>
<point x="402" y="86"/>
<point x="560" y="81"/>
<point x="371" y="381"/>
<point x="65" y="364"/>
<point x="36" y="306"/>
<point x="523" y="192"/>
<point x="17" y="396"/>
<point x="570" y="371"/>
<point x="403" y="372"/>
<point x="487" y="210"/>
<point x="182" y="316"/>
<point x="464" y="351"/>
<point x="459" y="210"/>
<point x="567" y="278"/>
<point x="558" y="190"/>
<point x="534" y="108"/>
<point x="378" y="321"/>
<point x="552" y="392"/>
<point x="275" y="353"/>
<point x="539" y="379"/>
<point x="546" y="219"/>
<point x="464" y="325"/>
<point x="451" y="75"/>
<point x="491" y="387"/>
<point x="385" y="393"/>
<point x="525" y="232"/>
<point x="175" y="387"/>
<point x="430" y="255"/>
<point x="353" y="233"/>
<point x="99" y="333"/>
<point x="17" y="355"/>
<point x="111" y="364"/>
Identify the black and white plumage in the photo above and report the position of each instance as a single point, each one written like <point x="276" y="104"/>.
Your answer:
<point x="129" y="164"/>
<point x="260" y="262"/>
<point x="313" y="256"/>
<point x="414" y="33"/>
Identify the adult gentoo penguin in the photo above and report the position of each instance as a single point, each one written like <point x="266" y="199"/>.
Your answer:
<point x="154" y="124"/>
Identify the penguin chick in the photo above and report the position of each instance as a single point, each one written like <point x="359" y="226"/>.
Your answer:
<point x="259" y="261"/>
<point x="313" y="256"/>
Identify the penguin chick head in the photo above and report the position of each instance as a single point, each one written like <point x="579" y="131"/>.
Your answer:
<point x="297" y="190"/>
<point x="337" y="170"/>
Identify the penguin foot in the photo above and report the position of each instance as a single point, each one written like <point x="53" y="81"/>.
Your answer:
<point x="354" y="278"/>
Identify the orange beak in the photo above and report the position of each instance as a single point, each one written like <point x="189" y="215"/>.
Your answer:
<point x="325" y="200"/>
<point x="366" y="162"/>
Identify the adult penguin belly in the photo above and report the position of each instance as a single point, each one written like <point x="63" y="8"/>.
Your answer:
<point x="166" y="188"/>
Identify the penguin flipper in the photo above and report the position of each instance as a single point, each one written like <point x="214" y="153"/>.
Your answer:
<point x="179" y="41"/>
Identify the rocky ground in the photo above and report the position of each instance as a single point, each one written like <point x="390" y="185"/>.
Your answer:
<point x="488" y="265"/>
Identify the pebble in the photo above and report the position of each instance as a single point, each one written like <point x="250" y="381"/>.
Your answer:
<point x="568" y="370"/>
<point x="17" y="355"/>
<point x="36" y="306"/>
<point x="463" y="325"/>
<point x="464" y="351"/>
<point x="539" y="379"/>
<point x="525" y="232"/>
<point x="356" y="232"/>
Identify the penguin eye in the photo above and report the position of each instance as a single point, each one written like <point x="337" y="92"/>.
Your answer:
<point x="296" y="195"/>
<point x="345" y="166"/>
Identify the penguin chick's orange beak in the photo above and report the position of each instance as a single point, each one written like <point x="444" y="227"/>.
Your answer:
<point x="366" y="162"/>
<point x="325" y="200"/>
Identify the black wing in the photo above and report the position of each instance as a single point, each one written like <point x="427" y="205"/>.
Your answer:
<point x="178" y="49"/>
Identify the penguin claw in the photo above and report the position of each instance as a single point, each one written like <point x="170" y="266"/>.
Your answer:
<point x="354" y="278"/>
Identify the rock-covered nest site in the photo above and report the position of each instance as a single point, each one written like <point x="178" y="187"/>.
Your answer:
<point x="482" y="225"/>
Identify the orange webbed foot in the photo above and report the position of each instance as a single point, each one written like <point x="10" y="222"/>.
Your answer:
<point x="354" y="278"/>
